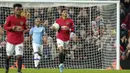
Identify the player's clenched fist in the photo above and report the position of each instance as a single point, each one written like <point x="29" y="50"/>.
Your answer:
<point x="17" y="28"/>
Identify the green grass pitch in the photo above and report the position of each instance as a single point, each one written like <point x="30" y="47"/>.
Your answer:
<point x="31" y="70"/>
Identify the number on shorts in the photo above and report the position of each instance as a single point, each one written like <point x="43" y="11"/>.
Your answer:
<point x="20" y="48"/>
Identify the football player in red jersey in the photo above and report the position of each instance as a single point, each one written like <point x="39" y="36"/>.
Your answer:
<point x="63" y="35"/>
<point x="15" y="26"/>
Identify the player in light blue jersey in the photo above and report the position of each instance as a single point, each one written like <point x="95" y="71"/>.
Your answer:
<point x="38" y="36"/>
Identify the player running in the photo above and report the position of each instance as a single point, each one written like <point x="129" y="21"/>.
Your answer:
<point x="37" y="33"/>
<point x="15" y="26"/>
<point x="63" y="35"/>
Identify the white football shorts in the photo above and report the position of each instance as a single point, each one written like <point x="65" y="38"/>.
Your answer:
<point x="10" y="49"/>
<point x="62" y="43"/>
<point x="37" y="48"/>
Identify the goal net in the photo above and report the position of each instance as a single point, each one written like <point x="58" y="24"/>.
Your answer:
<point x="92" y="45"/>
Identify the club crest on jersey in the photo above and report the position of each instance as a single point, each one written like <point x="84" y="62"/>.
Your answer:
<point x="21" y="23"/>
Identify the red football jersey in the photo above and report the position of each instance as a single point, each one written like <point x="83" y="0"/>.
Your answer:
<point x="14" y="37"/>
<point x="64" y="35"/>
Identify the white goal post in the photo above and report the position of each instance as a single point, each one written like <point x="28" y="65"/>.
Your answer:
<point x="97" y="30"/>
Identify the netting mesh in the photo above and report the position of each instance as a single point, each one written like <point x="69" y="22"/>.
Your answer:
<point x="91" y="47"/>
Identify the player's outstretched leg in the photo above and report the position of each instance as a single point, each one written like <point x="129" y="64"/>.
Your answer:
<point x="62" y="59"/>
<point x="19" y="59"/>
<point x="7" y="64"/>
<point x="37" y="58"/>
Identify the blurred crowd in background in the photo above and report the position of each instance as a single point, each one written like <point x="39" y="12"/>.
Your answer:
<point x="125" y="30"/>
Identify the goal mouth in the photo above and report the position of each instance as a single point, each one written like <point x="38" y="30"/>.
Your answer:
<point x="96" y="23"/>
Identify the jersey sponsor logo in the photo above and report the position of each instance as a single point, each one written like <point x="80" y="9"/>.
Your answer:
<point x="21" y="23"/>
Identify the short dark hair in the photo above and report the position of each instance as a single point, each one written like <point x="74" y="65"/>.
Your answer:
<point x="17" y="5"/>
<point x="63" y="9"/>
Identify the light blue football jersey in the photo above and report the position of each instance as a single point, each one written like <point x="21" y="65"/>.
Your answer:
<point x="37" y="34"/>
